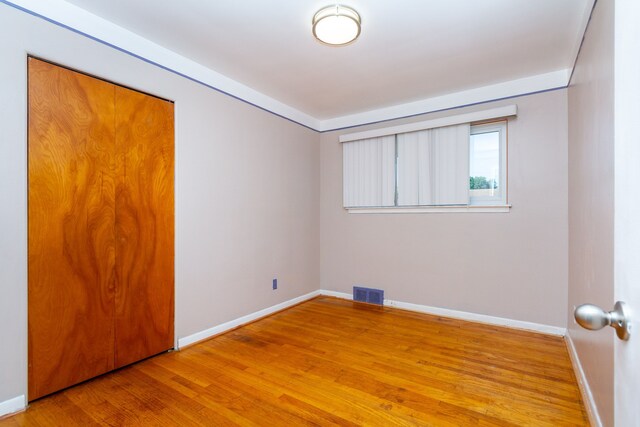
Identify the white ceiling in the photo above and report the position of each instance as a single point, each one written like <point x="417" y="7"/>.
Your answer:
<point x="409" y="50"/>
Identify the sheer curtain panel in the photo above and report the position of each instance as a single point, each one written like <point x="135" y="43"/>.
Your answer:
<point x="433" y="167"/>
<point x="415" y="168"/>
<point x="451" y="165"/>
<point x="369" y="172"/>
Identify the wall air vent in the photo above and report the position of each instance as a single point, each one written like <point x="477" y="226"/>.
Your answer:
<point x="370" y="296"/>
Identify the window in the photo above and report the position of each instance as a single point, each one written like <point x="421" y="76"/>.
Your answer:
<point x="487" y="164"/>
<point x="457" y="167"/>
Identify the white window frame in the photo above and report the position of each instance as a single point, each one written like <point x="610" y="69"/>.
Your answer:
<point x="501" y="198"/>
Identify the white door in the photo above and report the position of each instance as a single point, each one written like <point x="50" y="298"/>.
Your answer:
<point x="627" y="207"/>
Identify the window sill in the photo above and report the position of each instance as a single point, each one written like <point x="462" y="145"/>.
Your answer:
<point x="431" y="209"/>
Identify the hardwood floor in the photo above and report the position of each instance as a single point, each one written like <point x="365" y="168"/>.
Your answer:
<point x="334" y="362"/>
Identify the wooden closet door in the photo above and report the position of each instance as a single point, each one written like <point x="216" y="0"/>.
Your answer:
<point x="144" y="226"/>
<point x="71" y="227"/>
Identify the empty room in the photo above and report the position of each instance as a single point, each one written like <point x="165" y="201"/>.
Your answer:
<point x="283" y="213"/>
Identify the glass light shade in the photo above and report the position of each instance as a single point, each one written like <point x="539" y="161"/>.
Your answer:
<point x="336" y="25"/>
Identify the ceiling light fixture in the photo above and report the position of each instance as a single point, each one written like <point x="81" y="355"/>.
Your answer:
<point x="336" y="25"/>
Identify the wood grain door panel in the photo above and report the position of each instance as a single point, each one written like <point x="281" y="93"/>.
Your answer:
<point x="144" y="226"/>
<point x="71" y="238"/>
<point x="101" y="227"/>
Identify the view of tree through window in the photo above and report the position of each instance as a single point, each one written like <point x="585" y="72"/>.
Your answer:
<point x="482" y="183"/>
<point x="484" y="174"/>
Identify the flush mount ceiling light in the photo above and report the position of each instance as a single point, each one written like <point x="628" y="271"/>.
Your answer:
<point x="336" y="25"/>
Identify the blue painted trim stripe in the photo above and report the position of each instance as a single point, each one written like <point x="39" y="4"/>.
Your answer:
<point x="148" y="61"/>
<point x="37" y="15"/>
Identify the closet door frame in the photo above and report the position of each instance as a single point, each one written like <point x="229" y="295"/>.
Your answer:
<point x="108" y="81"/>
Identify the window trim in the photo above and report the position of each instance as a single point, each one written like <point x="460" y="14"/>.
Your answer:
<point x="472" y="117"/>
<point x="431" y="209"/>
<point x="502" y="128"/>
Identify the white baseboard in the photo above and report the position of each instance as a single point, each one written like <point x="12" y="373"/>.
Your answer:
<point x="341" y="295"/>
<point x="463" y="315"/>
<point x="13" y="405"/>
<point x="202" y="335"/>
<point x="583" y="384"/>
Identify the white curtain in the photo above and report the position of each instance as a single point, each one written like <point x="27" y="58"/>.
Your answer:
<point x="433" y="167"/>
<point x="415" y="167"/>
<point x="451" y="161"/>
<point x="369" y="172"/>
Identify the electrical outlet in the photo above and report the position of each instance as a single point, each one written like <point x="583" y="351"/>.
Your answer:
<point x="275" y="284"/>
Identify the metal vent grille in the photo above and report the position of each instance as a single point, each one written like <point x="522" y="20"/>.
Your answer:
<point x="359" y="294"/>
<point x="371" y="296"/>
<point x="375" y="297"/>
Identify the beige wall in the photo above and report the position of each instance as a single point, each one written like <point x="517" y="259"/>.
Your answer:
<point x="511" y="265"/>
<point x="247" y="191"/>
<point x="591" y="200"/>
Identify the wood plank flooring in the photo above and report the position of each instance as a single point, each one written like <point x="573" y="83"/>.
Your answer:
<point x="333" y="362"/>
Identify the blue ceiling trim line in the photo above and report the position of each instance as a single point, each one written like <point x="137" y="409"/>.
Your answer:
<point x="584" y="35"/>
<point x="449" y="108"/>
<point x="15" y="6"/>
<point x="60" y="24"/>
